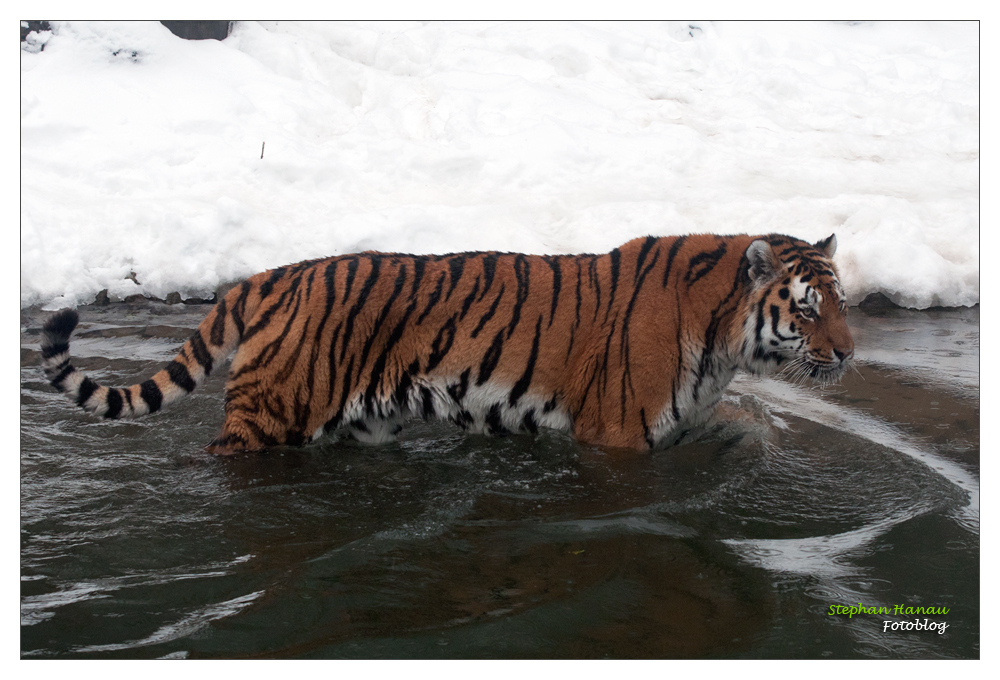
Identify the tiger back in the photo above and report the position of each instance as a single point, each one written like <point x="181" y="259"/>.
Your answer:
<point x="631" y="348"/>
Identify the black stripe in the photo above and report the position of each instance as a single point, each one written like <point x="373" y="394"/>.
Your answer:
<point x="114" y="404"/>
<point x="708" y="350"/>
<point x="217" y="336"/>
<point x="463" y="419"/>
<point x="346" y="378"/>
<point x="607" y="354"/>
<point x="442" y="343"/>
<point x="643" y="252"/>
<point x="433" y="300"/>
<point x="680" y="356"/>
<point x="294" y="284"/>
<point x="397" y="288"/>
<point x="495" y="421"/>
<point x="332" y="362"/>
<point x="556" y="266"/>
<point x="586" y="394"/>
<point x="49" y="351"/>
<point x="456" y="265"/>
<point x="54" y="368"/>
<point x="645" y="427"/>
<point x="400" y="395"/>
<point x="267" y="286"/>
<point x="469" y="299"/>
<point x="419" y="263"/>
<point x="616" y="257"/>
<point x="775" y="317"/>
<point x="489" y="313"/>
<point x="625" y="347"/>
<point x="595" y="283"/>
<point x="261" y="436"/>
<point x="265" y="319"/>
<point x="524" y="382"/>
<point x="332" y="424"/>
<point x="61" y="324"/>
<point x="678" y="242"/>
<point x="491" y="358"/>
<point x="706" y="262"/>
<point x="57" y="382"/>
<point x="286" y="371"/>
<point x="180" y="376"/>
<point x="489" y="271"/>
<point x="151" y="394"/>
<point x="522" y="270"/>
<point x="760" y="320"/>
<point x="458" y="391"/>
<point x="579" y="294"/>
<point x="366" y="289"/>
<point x="330" y="281"/>
<point x="529" y="423"/>
<point x="378" y="368"/>
<point x="426" y="403"/>
<point x="271" y="350"/>
<point x="274" y="405"/>
<point x="240" y="307"/>
<point x="352" y="269"/>
<point x="200" y="352"/>
<point x="87" y="388"/>
<point x="639" y="280"/>
<point x="309" y="282"/>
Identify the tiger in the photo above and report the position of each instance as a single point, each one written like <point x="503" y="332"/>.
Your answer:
<point x="630" y="349"/>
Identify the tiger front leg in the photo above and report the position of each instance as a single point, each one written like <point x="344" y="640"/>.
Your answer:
<point x="628" y="433"/>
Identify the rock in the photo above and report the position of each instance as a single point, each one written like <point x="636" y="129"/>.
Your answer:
<point x="102" y="298"/>
<point x="199" y="30"/>
<point x="33" y="27"/>
<point x="877" y="302"/>
<point x="174" y="298"/>
<point x="201" y="301"/>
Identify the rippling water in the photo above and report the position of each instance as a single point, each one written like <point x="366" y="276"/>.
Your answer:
<point x="135" y="544"/>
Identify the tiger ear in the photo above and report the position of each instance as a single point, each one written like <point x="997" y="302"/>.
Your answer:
<point x="827" y="246"/>
<point x="764" y="264"/>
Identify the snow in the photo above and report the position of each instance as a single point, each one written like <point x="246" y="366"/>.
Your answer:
<point x="141" y="152"/>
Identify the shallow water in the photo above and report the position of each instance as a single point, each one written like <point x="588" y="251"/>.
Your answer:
<point x="135" y="544"/>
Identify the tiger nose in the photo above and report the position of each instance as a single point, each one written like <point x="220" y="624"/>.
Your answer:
<point x="843" y="356"/>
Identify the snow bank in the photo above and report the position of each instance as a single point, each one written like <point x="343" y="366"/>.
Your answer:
<point x="141" y="152"/>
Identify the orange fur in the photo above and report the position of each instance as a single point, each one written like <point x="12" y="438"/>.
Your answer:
<point x="627" y="349"/>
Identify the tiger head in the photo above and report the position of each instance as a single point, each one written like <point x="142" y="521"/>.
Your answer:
<point x="796" y="312"/>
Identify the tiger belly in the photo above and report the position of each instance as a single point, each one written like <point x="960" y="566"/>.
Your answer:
<point x="485" y="409"/>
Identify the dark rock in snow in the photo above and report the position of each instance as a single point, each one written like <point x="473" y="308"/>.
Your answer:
<point x="33" y="26"/>
<point x="877" y="302"/>
<point x="199" y="30"/>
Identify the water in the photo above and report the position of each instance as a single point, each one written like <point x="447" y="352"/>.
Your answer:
<point x="135" y="544"/>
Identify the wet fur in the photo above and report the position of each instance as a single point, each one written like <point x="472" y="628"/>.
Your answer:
<point x="632" y="348"/>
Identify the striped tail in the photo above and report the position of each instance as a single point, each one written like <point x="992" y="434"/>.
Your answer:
<point x="217" y="336"/>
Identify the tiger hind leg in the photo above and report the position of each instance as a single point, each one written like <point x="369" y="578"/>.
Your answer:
<point x="255" y="420"/>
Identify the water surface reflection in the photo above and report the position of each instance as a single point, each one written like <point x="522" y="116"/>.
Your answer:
<point x="136" y="544"/>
